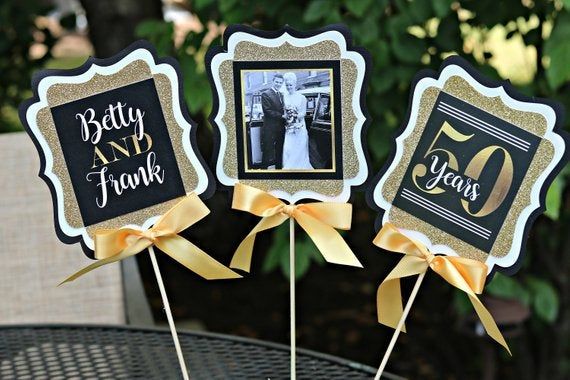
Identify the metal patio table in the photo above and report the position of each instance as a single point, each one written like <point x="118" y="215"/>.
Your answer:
<point x="117" y="352"/>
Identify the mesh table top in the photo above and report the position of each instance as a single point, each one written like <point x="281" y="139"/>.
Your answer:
<point x="109" y="352"/>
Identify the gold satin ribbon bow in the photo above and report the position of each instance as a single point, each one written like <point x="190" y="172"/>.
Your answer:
<point x="318" y="219"/>
<point x="115" y="245"/>
<point x="465" y="274"/>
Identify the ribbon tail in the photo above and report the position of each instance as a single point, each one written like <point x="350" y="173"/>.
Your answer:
<point x="329" y="242"/>
<point x="389" y="308"/>
<point x="99" y="263"/>
<point x="194" y="258"/>
<point x="488" y="322"/>
<point x="389" y="295"/>
<point x="454" y="274"/>
<point x="243" y="254"/>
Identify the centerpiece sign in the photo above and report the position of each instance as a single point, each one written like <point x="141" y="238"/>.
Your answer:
<point x="118" y="152"/>
<point x="468" y="175"/>
<point x="289" y="118"/>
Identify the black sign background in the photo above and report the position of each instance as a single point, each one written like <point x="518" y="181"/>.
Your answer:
<point x="448" y="204"/>
<point x="79" y="154"/>
<point x="238" y="66"/>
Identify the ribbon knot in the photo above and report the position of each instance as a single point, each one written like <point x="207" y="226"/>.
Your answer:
<point x="429" y="257"/>
<point x="151" y="235"/>
<point x="131" y="239"/>
<point x="318" y="219"/>
<point x="288" y="209"/>
<point x="115" y="245"/>
<point x="465" y="274"/>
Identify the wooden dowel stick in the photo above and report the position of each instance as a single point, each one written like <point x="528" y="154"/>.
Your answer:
<point x="168" y="313"/>
<point x="292" y="295"/>
<point x="399" y="326"/>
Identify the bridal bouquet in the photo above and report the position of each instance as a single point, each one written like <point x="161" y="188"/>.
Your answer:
<point x="292" y="123"/>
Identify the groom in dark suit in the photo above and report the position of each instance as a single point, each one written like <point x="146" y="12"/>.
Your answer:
<point x="273" y="130"/>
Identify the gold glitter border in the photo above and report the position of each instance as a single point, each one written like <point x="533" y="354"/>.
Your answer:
<point x="530" y="121"/>
<point x="62" y="93"/>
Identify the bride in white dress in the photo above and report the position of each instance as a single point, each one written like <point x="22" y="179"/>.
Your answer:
<point x="296" y="143"/>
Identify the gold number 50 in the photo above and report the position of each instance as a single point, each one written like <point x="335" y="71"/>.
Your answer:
<point x="474" y="168"/>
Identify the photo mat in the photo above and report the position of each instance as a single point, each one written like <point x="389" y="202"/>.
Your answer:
<point x="288" y="133"/>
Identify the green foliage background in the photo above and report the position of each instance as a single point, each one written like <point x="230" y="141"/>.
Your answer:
<point x="16" y="66"/>
<point x="403" y="37"/>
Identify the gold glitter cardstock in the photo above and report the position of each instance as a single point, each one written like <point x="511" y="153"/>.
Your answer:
<point x="162" y="151"/>
<point x="472" y="166"/>
<point x="261" y="139"/>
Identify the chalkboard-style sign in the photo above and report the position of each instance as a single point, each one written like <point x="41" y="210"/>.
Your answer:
<point x="471" y="166"/>
<point x="117" y="146"/>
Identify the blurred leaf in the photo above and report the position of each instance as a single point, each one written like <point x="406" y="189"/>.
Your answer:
<point x="420" y="10"/>
<point x="227" y="5"/>
<point x="381" y="51"/>
<point x="405" y="74"/>
<point x="379" y="142"/>
<point x="557" y="47"/>
<point x="148" y="28"/>
<point x="398" y="24"/>
<point x="20" y="34"/>
<point x="291" y="15"/>
<point x="384" y="80"/>
<point x="317" y="10"/>
<point x="284" y="262"/>
<point x="278" y="254"/>
<point x="492" y="12"/>
<point x="195" y="40"/>
<point x="441" y="8"/>
<point x="461" y="302"/>
<point x="545" y="299"/>
<point x="566" y="4"/>
<point x="554" y="198"/>
<point x="532" y="37"/>
<point x="302" y="260"/>
<point x="279" y="247"/>
<point x="197" y="90"/>
<point x="303" y="255"/>
<point x="333" y="17"/>
<point x="448" y="36"/>
<point x="409" y="48"/>
<point x="489" y="70"/>
<point x="367" y="30"/>
<point x="159" y="33"/>
<point x="201" y="4"/>
<point x="507" y="287"/>
<point x="314" y="252"/>
<point x="358" y="7"/>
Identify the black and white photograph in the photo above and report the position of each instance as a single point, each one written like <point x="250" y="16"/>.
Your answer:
<point x="288" y="120"/>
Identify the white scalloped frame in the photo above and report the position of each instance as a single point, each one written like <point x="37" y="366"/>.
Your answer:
<point x="139" y="51"/>
<point x="340" y="36"/>
<point x="458" y="67"/>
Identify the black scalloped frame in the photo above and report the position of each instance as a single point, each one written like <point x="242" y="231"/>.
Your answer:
<point x="513" y="93"/>
<point x="36" y="79"/>
<point x="272" y="34"/>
